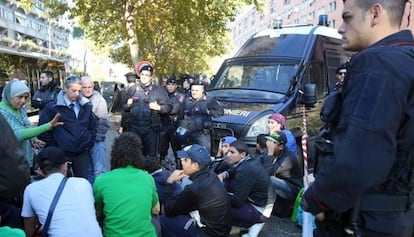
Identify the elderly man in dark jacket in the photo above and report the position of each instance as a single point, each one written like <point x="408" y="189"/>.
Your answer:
<point x="77" y="134"/>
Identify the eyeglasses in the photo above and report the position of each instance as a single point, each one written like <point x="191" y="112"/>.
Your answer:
<point x="341" y="73"/>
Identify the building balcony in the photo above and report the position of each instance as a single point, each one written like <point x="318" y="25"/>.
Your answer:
<point x="31" y="49"/>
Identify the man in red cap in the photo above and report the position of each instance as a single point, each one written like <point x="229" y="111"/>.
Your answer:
<point x="146" y="102"/>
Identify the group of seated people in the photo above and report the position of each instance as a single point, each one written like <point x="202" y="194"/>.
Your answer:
<point x="138" y="197"/>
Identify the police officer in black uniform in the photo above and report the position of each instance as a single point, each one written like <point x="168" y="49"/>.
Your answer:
<point x="197" y="112"/>
<point x="365" y="186"/>
<point x="169" y="122"/>
<point x="123" y="97"/>
<point x="146" y="102"/>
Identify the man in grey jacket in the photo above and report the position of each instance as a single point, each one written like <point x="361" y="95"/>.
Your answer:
<point x="100" y="109"/>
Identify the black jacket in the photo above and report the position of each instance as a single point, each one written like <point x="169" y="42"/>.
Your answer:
<point x="196" y="115"/>
<point x="170" y="120"/>
<point x="251" y="184"/>
<point x="207" y="195"/>
<point x="140" y="112"/>
<point x="45" y="95"/>
<point x="14" y="169"/>
<point x="286" y="166"/>
<point x="375" y="124"/>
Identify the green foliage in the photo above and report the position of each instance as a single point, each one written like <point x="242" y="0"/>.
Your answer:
<point x="177" y="36"/>
<point x="54" y="8"/>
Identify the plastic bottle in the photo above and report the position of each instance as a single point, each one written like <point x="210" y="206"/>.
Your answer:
<point x="298" y="200"/>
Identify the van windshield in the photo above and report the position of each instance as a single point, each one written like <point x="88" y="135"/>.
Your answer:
<point x="272" y="77"/>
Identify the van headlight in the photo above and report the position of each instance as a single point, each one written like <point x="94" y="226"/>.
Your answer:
<point x="259" y="127"/>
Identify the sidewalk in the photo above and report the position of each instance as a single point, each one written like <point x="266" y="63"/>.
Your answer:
<point x="274" y="227"/>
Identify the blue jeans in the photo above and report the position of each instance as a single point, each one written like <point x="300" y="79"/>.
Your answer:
<point x="282" y="188"/>
<point x="98" y="161"/>
<point x="178" y="226"/>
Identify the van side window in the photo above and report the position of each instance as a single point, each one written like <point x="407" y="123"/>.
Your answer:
<point x="333" y="59"/>
<point x="315" y="75"/>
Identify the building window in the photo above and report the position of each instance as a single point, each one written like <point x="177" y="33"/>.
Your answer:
<point x="311" y="15"/>
<point x="332" y="6"/>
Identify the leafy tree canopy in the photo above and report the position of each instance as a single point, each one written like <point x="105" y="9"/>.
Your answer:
<point x="177" y="36"/>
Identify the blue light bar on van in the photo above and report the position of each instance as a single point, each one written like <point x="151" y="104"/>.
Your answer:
<point x="323" y="20"/>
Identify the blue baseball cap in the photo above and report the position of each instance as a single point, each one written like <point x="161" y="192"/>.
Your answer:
<point x="196" y="153"/>
<point x="228" y="139"/>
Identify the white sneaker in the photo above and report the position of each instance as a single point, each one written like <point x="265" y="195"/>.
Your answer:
<point x="254" y="230"/>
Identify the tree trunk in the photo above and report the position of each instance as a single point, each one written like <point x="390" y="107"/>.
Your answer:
<point x="132" y="37"/>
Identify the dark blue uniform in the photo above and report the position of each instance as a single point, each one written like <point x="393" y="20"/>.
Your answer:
<point x="169" y="125"/>
<point x="196" y="116"/>
<point x="144" y="122"/>
<point x="372" y="165"/>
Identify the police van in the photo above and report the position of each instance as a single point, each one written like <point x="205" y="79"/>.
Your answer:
<point x="276" y="71"/>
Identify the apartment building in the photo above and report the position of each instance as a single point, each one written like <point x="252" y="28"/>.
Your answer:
<point x="31" y="34"/>
<point x="290" y="12"/>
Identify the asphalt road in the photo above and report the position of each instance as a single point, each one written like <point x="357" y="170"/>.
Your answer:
<point x="274" y="227"/>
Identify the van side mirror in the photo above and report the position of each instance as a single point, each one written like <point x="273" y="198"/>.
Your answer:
<point x="309" y="95"/>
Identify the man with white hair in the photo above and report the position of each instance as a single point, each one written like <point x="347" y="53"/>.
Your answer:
<point x="100" y="109"/>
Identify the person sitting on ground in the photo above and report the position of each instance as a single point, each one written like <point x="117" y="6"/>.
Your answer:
<point x="283" y="167"/>
<point x="251" y="195"/>
<point x="74" y="214"/>
<point x="126" y="197"/>
<point x="261" y="148"/>
<point x="277" y="122"/>
<point x="220" y="162"/>
<point x="205" y="194"/>
<point x="160" y="175"/>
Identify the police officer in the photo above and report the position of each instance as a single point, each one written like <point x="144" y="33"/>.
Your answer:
<point x="197" y="112"/>
<point x="366" y="185"/>
<point x="169" y="122"/>
<point x="146" y="102"/>
<point x="48" y="91"/>
<point x="123" y="98"/>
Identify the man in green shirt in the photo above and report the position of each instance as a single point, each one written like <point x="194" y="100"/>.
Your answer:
<point x="126" y="197"/>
